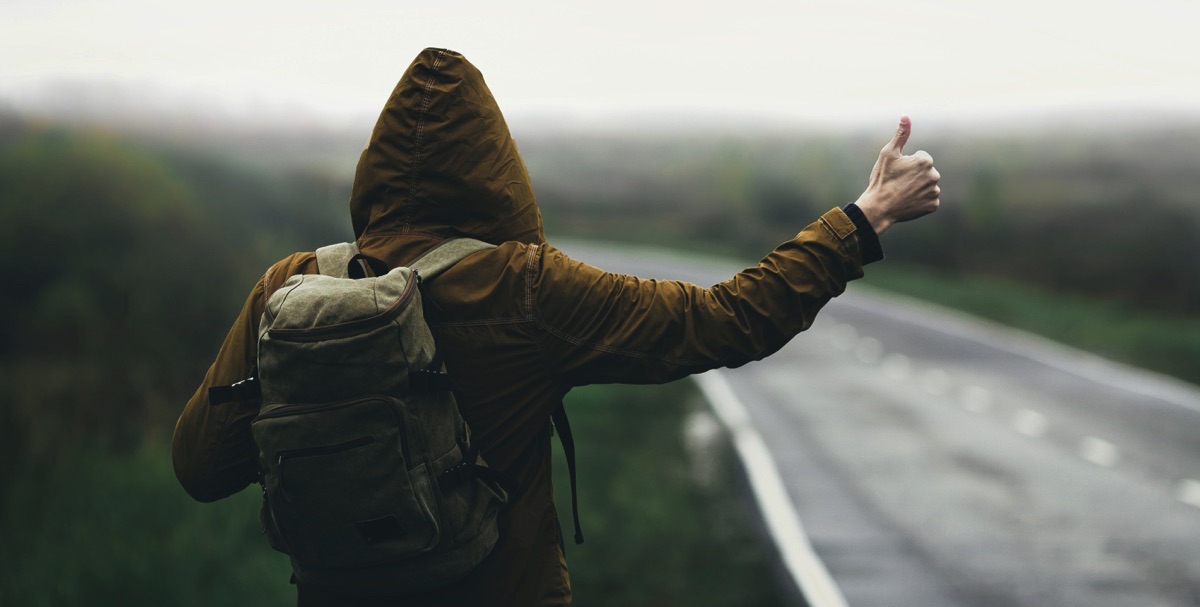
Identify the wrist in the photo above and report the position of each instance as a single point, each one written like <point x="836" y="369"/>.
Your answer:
<point x="879" y="221"/>
<point x="868" y="239"/>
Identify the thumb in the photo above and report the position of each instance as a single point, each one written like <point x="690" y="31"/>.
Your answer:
<point x="895" y="147"/>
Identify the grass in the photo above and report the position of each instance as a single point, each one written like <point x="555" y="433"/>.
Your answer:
<point x="664" y="526"/>
<point x="117" y="530"/>
<point x="1117" y="331"/>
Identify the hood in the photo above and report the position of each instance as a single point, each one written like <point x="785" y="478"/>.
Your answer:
<point x="441" y="162"/>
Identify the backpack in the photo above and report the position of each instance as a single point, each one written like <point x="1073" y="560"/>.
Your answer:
<point x="370" y="481"/>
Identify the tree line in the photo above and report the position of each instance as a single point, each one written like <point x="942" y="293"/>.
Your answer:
<point x="125" y="260"/>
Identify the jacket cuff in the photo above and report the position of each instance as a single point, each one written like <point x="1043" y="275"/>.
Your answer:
<point x="868" y="240"/>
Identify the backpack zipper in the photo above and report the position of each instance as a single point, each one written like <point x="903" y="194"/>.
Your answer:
<point x="352" y="327"/>
<point x="325" y="449"/>
<point x="286" y="410"/>
<point x="291" y="454"/>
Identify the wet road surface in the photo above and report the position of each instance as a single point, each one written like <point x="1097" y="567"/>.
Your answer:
<point x="938" y="460"/>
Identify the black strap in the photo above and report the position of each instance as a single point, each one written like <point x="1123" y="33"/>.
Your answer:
<point x="424" y="380"/>
<point x="469" y="468"/>
<point x="246" y="390"/>
<point x="559" y="417"/>
<point x="360" y="264"/>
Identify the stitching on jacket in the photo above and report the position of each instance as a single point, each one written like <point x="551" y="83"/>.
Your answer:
<point x="484" y="322"/>
<point x="266" y="284"/>
<point x="841" y="241"/>
<point x="833" y="228"/>
<point x="425" y="100"/>
<point x="614" y="350"/>
<point x="533" y="250"/>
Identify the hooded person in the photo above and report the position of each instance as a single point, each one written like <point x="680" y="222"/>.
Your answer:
<point x="517" y="325"/>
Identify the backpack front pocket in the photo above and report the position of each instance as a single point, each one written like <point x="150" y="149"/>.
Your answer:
<point x="341" y="485"/>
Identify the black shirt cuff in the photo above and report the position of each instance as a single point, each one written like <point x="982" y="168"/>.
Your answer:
<point x="868" y="240"/>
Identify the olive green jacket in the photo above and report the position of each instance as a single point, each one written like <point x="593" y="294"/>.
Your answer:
<point x="518" y="325"/>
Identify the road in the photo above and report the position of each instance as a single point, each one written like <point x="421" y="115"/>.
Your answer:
<point x="938" y="460"/>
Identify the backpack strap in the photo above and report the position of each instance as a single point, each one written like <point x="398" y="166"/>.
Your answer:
<point x="559" y="418"/>
<point x="439" y="258"/>
<point x="334" y="260"/>
<point x="343" y="260"/>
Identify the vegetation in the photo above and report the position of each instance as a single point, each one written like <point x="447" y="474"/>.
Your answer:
<point x="1068" y="212"/>
<point x="1116" y="330"/>
<point x="125" y="262"/>
<point x="116" y="529"/>
<point x="665" y="525"/>
<point x="1031" y="225"/>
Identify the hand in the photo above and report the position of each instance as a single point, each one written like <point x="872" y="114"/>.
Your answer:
<point x="902" y="188"/>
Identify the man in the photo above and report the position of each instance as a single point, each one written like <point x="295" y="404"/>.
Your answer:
<point x="521" y="324"/>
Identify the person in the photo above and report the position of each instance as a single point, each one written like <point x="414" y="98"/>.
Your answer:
<point x="521" y="324"/>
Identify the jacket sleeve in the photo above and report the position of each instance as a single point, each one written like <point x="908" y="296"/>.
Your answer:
<point x="600" y="327"/>
<point x="212" y="449"/>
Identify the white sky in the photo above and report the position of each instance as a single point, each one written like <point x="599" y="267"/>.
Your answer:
<point x="844" y="61"/>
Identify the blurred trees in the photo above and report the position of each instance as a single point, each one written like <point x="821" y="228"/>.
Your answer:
<point x="124" y="262"/>
<point x="1069" y="212"/>
<point x="123" y="267"/>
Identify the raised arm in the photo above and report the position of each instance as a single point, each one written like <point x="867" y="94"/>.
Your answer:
<point x="599" y="327"/>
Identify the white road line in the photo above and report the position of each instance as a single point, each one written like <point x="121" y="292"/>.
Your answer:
<point x="783" y="523"/>
<point x="1189" y="492"/>
<point x="868" y="350"/>
<point x="1030" y="423"/>
<point x="1099" y="451"/>
<point x="843" y="336"/>
<point x="936" y="382"/>
<point x="896" y="366"/>
<point x="976" y="399"/>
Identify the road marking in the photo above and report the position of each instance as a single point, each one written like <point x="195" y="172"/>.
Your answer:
<point x="701" y="432"/>
<point x="843" y="336"/>
<point x="896" y="366"/>
<point x="1189" y="492"/>
<point x="976" y="399"/>
<point x="783" y="523"/>
<point x="868" y="350"/>
<point x="936" y="382"/>
<point x="1030" y="423"/>
<point x="1099" y="451"/>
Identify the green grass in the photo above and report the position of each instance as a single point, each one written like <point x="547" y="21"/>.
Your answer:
<point x="1118" y="331"/>
<point x="118" y="530"/>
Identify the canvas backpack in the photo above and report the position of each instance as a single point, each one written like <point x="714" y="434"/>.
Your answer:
<point x="371" y="483"/>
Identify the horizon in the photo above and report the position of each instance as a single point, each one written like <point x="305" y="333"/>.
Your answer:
<point x="108" y="103"/>
<point x="852" y="64"/>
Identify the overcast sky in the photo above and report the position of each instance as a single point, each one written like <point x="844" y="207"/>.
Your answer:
<point x="843" y="61"/>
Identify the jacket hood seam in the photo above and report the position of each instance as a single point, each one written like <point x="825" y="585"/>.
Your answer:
<point x="418" y="145"/>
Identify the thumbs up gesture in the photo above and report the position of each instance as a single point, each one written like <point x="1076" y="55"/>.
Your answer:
<point x="901" y="188"/>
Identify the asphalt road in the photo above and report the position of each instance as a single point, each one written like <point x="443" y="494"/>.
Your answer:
<point x="937" y="460"/>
